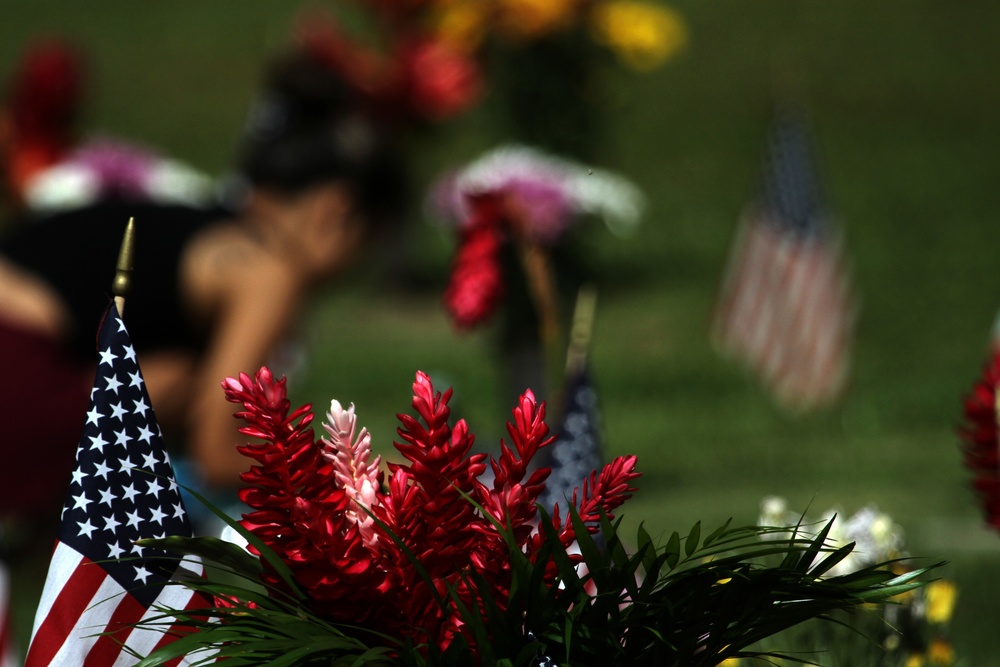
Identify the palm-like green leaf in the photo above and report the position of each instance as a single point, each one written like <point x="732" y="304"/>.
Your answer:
<point x="690" y="603"/>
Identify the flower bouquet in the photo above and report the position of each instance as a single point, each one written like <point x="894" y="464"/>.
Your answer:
<point x="429" y="564"/>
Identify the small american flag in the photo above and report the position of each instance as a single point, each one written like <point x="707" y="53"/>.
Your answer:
<point x="100" y="583"/>
<point x="786" y="309"/>
<point x="576" y="451"/>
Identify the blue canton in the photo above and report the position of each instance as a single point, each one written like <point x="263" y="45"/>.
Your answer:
<point x="123" y="487"/>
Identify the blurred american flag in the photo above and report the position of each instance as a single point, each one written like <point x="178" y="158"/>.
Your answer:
<point x="786" y="308"/>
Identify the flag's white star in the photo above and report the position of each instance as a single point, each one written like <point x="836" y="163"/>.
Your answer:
<point x="145" y="434"/>
<point x="121" y="325"/>
<point x="141" y="407"/>
<point x="126" y="466"/>
<point x="137" y="550"/>
<point x="113" y="383"/>
<point x="154" y="487"/>
<point x="142" y="573"/>
<point x="94" y="417"/>
<point x="97" y="442"/>
<point x="78" y="476"/>
<point x="81" y="501"/>
<point x="129" y="353"/>
<point x="149" y="460"/>
<point x="117" y="411"/>
<point x="107" y="498"/>
<point x="107" y="357"/>
<point x="129" y="493"/>
<point x="158" y="515"/>
<point x="116" y="550"/>
<point x="86" y="527"/>
<point x="133" y="519"/>
<point x="101" y="469"/>
<point x="121" y="438"/>
<point x="178" y="511"/>
<point x="172" y="483"/>
<point x="135" y="380"/>
<point x="111" y="523"/>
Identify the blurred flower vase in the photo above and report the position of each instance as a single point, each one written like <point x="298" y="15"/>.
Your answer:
<point x="549" y="68"/>
<point x="518" y="215"/>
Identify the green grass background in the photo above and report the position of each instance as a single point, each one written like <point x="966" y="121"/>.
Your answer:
<point x="904" y="100"/>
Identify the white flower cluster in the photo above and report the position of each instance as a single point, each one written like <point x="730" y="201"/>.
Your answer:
<point x="876" y="537"/>
<point x="548" y="189"/>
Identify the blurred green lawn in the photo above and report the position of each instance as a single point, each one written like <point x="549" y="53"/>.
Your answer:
<point x="904" y="99"/>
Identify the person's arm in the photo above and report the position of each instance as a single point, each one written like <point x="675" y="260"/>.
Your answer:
<point x="254" y="299"/>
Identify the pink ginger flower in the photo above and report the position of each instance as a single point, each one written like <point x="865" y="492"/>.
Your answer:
<point x="349" y="452"/>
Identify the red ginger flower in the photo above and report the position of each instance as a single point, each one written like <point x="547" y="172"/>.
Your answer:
<point x="298" y="512"/>
<point x="396" y="569"/>
<point x="981" y="447"/>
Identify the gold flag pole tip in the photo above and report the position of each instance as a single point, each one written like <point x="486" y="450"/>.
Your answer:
<point x="123" y="270"/>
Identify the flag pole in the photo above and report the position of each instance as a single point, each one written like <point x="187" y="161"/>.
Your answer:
<point x="122" y="284"/>
<point x="582" y="329"/>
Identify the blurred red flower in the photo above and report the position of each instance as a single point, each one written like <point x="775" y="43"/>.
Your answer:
<point x="476" y="285"/>
<point x="443" y="81"/>
<point x="981" y="448"/>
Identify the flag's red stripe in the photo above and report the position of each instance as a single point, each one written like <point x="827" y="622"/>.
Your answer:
<point x="196" y="601"/>
<point x="73" y="600"/>
<point x="105" y="651"/>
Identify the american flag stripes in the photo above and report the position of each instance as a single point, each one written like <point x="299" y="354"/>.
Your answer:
<point x="100" y="582"/>
<point x="786" y="309"/>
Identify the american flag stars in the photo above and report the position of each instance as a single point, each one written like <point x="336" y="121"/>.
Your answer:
<point x="123" y="488"/>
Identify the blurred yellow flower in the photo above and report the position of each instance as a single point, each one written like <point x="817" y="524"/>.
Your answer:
<point x="729" y="662"/>
<point x="915" y="660"/>
<point x="940" y="652"/>
<point x="940" y="596"/>
<point x="642" y="35"/>
<point x="531" y="19"/>
<point x="462" y="23"/>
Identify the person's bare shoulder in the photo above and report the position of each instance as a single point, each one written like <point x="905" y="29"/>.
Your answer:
<point x="224" y="263"/>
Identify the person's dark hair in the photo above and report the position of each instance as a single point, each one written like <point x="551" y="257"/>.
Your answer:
<point x="309" y="126"/>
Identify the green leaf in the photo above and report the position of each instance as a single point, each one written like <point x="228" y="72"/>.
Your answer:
<point x="213" y="549"/>
<point x="717" y="533"/>
<point x="691" y="544"/>
<point x="673" y="550"/>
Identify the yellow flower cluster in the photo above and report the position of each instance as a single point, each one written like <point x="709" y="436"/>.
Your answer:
<point x="940" y="598"/>
<point x="531" y="19"/>
<point x="462" y="23"/>
<point x="940" y="653"/>
<point x="642" y="35"/>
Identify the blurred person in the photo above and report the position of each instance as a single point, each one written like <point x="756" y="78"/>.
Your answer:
<point x="214" y="289"/>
